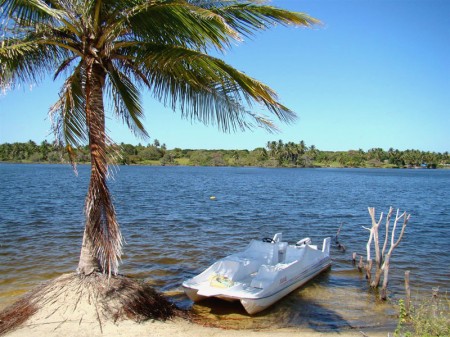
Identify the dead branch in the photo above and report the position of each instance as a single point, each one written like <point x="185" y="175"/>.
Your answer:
<point x="394" y="244"/>
<point x="386" y="238"/>
<point x="382" y="260"/>
<point x="373" y="236"/>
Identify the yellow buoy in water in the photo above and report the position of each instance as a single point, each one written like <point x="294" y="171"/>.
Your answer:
<point x="212" y="197"/>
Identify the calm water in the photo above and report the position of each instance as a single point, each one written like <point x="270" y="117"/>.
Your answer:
<point x="173" y="231"/>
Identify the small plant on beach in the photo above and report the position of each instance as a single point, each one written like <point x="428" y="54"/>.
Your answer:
<point x="430" y="318"/>
<point x="402" y="320"/>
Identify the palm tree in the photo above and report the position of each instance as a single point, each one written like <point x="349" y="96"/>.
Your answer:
<point x="302" y="147"/>
<point x="272" y="147"/>
<point x="110" y="50"/>
<point x="312" y="151"/>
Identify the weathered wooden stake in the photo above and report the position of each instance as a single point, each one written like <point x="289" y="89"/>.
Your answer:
<point x="336" y="238"/>
<point x="354" y="259"/>
<point x="407" y="293"/>
<point x="435" y="301"/>
<point x="341" y="247"/>
<point x="361" y="264"/>
<point x="369" y="270"/>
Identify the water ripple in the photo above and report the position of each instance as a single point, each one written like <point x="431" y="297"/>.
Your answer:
<point x="172" y="230"/>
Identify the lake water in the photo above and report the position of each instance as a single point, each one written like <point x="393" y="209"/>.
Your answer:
<point x="173" y="231"/>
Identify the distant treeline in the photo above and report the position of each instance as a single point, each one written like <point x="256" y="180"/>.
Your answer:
<point x="274" y="154"/>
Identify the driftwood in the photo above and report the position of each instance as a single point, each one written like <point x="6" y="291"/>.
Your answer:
<point x="382" y="259"/>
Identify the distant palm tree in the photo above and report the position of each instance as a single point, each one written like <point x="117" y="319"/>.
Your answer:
<point x="113" y="48"/>
<point x="312" y="151"/>
<point x="302" y="147"/>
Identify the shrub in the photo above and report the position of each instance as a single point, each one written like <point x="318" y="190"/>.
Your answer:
<point x="430" y="318"/>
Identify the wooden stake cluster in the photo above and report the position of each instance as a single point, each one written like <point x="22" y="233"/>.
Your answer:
<point x="382" y="259"/>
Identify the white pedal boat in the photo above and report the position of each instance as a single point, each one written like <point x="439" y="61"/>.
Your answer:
<point x="262" y="274"/>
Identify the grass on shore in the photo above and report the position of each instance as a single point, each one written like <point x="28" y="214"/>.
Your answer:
<point x="430" y="318"/>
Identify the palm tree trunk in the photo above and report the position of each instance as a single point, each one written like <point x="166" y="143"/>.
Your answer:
<point x="88" y="263"/>
<point x="102" y="241"/>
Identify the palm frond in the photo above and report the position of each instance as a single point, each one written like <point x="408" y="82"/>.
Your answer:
<point x="178" y="22"/>
<point x="207" y="89"/>
<point x="101" y="223"/>
<point x="126" y="101"/>
<point x="64" y="66"/>
<point x="30" y="11"/>
<point x="73" y="116"/>
<point x="31" y="58"/>
<point x="24" y="61"/>
<point x="68" y="114"/>
<point x="247" y="18"/>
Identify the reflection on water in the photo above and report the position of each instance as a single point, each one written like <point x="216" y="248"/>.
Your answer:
<point x="173" y="231"/>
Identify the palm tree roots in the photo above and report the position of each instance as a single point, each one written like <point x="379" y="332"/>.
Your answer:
<point x="94" y="298"/>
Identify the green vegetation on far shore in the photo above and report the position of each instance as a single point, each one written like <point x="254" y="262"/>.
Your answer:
<point x="274" y="154"/>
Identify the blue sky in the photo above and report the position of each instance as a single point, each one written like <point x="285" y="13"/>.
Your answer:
<point x="374" y="74"/>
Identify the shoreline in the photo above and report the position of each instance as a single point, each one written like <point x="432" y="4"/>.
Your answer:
<point x="69" y="306"/>
<point x="414" y="168"/>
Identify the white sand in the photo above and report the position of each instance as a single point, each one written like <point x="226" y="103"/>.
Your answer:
<point x="70" y="310"/>
<point x="172" y="328"/>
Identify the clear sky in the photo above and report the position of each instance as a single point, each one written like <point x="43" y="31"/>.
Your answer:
<point x="375" y="74"/>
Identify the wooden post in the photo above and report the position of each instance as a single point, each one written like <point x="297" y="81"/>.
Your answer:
<point x="394" y="245"/>
<point x="407" y="293"/>
<point x="435" y="301"/>
<point x="361" y="264"/>
<point x="354" y="259"/>
<point x="336" y="238"/>
<point x="369" y="270"/>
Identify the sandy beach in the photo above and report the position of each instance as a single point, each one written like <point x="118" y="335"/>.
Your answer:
<point x="70" y="306"/>
<point x="171" y="328"/>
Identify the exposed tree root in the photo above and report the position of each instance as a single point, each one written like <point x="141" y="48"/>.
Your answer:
<point x="16" y="314"/>
<point x="93" y="298"/>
